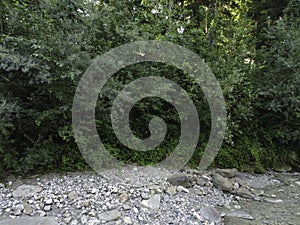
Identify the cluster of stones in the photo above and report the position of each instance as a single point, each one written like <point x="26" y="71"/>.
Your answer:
<point x="190" y="197"/>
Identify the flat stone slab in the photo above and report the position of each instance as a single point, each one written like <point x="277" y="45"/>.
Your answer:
<point x="29" y="221"/>
<point x="211" y="214"/>
<point x="153" y="202"/>
<point x="110" y="215"/>
<point x="26" y="191"/>
<point x="258" y="181"/>
<point x="241" y="214"/>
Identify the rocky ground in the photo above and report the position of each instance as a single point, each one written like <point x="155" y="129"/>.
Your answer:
<point x="135" y="196"/>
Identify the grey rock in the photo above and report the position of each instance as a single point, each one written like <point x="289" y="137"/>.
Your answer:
<point x="67" y="214"/>
<point x="27" y="209"/>
<point x="197" y="216"/>
<point x="239" y="181"/>
<point x="171" y="190"/>
<point x="127" y="220"/>
<point x="123" y="197"/>
<point x="47" y="208"/>
<point x="110" y="215"/>
<point x="258" y="181"/>
<point x="156" y="188"/>
<point x="18" y="182"/>
<point x="153" y="202"/>
<point x="126" y="207"/>
<point x="72" y="195"/>
<point x="29" y="221"/>
<point x="42" y="213"/>
<point x="240" y="214"/>
<point x="19" y="207"/>
<point x="229" y="173"/>
<point x="211" y="214"/>
<point x="198" y="192"/>
<point x="17" y="213"/>
<point x="281" y="169"/>
<point x="194" y="171"/>
<point x="140" y="218"/>
<point x="183" y="189"/>
<point x="145" y="195"/>
<point x="135" y="210"/>
<point x="9" y="195"/>
<point x="94" y="190"/>
<point x="26" y="191"/>
<point x="258" y="192"/>
<point x="200" y="181"/>
<point x="7" y="210"/>
<point x="222" y="183"/>
<point x="49" y="201"/>
<point x="236" y="185"/>
<point x="85" y="203"/>
<point x="237" y="206"/>
<point x="18" y="210"/>
<point x="256" y="198"/>
<point x="74" y="222"/>
<point x="243" y="192"/>
<point x="273" y="200"/>
<point x="180" y="179"/>
<point x="67" y="219"/>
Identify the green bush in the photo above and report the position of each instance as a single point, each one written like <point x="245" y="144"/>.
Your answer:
<point x="46" y="46"/>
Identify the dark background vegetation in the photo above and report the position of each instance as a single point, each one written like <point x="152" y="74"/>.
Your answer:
<point x="253" y="48"/>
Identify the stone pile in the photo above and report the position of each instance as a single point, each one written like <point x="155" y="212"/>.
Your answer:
<point x="189" y="197"/>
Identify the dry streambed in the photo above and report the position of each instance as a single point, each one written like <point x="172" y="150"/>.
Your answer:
<point x="141" y="196"/>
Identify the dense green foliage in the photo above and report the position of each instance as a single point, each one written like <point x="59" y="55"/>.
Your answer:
<point x="253" y="48"/>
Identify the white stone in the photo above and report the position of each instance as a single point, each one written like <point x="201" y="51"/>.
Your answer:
<point x="135" y="210"/>
<point x="153" y="202"/>
<point x="49" y="201"/>
<point x="273" y="200"/>
<point x="7" y="210"/>
<point x="42" y="213"/>
<point x="237" y="206"/>
<point x="183" y="189"/>
<point x="127" y="220"/>
<point x="47" y="208"/>
<point x="197" y="216"/>
<point x="94" y="190"/>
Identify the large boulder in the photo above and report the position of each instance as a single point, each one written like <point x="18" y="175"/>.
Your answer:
<point x="222" y="183"/>
<point x="211" y="214"/>
<point x="229" y="173"/>
<point x="181" y="179"/>
<point x="25" y="191"/>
